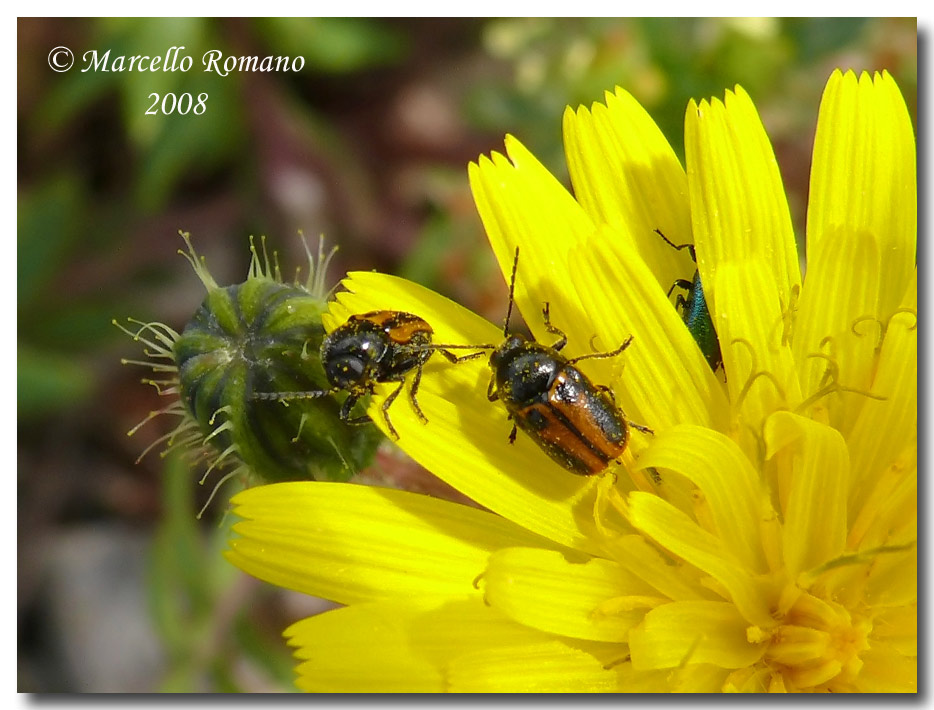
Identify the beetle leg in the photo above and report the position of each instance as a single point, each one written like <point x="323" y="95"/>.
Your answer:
<point x="448" y="355"/>
<point x="345" y="411"/>
<point x="358" y="421"/>
<point x="512" y="434"/>
<point x="413" y="390"/>
<point x="679" y="247"/>
<point x="641" y="427"/>
<point x="680" y="283"/>
<point x="609" y="392"/>
<point x="562" y="338"/>
<point x="385" y="409"/>
<point x="490" y="394"/>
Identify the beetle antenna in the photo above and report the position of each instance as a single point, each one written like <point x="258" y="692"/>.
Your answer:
<point x="512" y="292"/>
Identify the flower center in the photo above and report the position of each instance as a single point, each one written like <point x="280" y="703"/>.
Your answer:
<point x="818" y="644"/>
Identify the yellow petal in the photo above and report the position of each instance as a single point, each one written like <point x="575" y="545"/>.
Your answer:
<point x="815" y="515"/>
<point x="898" y="628"/>
<point x="864" y="177"/>
<point x="351" y="543"/>
<point x="466" y="439"/>
<point x="397" y="645"/>
<point x="626" y="174"/>
<point x="672" y="579"/>
<point x="725" y="477"/>
<point x="693" y="632"/>
<point x="752" y="679"/>
<point x="665" y="379"/>
<point x="673" y="530"/>
<point x="757" y="357"/>
<point x="886" y="670"/>
<point x="883" y="572"/>
<point x="885" y="427"/>
<point x="696" y="678"/>
<point x="893" y="578"/>
<point x="738" y="204"/>
<point x="835" y="313"/>
<point x="364" y="648"/>
<point x="889" y="505"/>
<point x="522" y="205"/>
<point x="862" y="229"/>
<point x="542" y="589"/>
<point x="546" y="667"/>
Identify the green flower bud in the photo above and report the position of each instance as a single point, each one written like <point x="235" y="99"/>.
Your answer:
<point x="259" y="336"/>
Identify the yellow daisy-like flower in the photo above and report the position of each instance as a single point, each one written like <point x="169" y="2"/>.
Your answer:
<point x="764" y="539"/>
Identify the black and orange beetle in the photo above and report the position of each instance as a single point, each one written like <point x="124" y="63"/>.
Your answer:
<point x="694" y="310"/>
<point x="574" y="421"/>
<point x="372" y="348"/>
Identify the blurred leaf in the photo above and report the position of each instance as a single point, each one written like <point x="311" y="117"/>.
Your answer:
<point x="174" y="596"/>
<point x="189" y="581"/>
<point x="754" y="62"/>
<point x="75" y="325"/>
<point x="423" y="260"/>
<point x="180" y="600"/>
<point x="224" y="679"/>
<point x="191" y="145"/>
<point x="47" y="382"/>
<point x="270" y="654"/>
<point x="70" y="94"/>
<point x="334" y="44"/>
<point x="817" y="36"/>
<point x="47" y="222"/>
<point x="154" y="37"/>
<point x="176" y="147"/>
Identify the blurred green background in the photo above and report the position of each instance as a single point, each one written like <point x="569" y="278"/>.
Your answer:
<point x="119" y="587"/>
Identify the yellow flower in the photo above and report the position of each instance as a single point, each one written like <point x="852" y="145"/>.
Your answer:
<point x="764" y="539"/>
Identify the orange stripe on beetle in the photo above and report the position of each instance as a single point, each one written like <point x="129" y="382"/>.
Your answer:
<point x="590" y="411"/>
<point x="562" y="441"/>
<point x="402" y="328"/>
